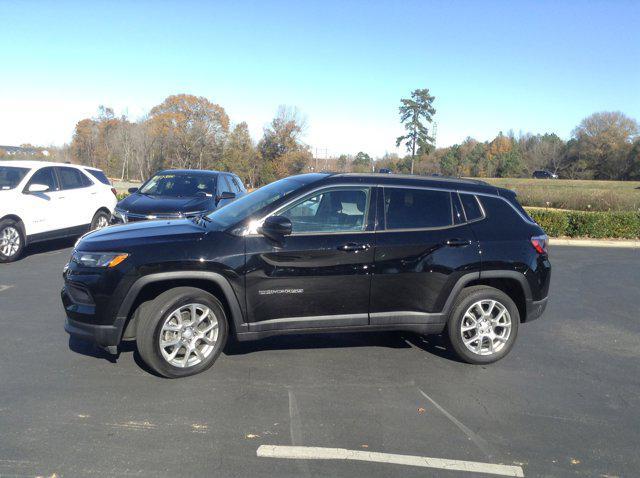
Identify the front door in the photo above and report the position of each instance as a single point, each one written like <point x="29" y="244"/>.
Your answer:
<point x="41" y="209"/>
<point x="319" y="276"/>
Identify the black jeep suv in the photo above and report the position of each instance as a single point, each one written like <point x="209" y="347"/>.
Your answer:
<point x="315" y="253"/>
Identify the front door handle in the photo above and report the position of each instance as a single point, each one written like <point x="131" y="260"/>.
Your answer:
<point x="353" y="247"/>
<point x="457" y="242"/>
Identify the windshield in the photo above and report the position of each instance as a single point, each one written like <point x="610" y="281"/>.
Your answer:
<point x="244" y="207"/>
<point x="11" y="176"/>
<point x="180" y="184"/>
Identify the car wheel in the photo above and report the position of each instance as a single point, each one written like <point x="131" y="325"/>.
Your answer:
<point x="11" y="240"/>
<point x="100" y="219"/>
<point x="483" y="325"/>
<point x="181" y="332"/>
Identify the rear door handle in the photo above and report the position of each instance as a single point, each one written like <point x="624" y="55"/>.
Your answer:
<point x="353" y="247"/>
<point x="457" y="242"/>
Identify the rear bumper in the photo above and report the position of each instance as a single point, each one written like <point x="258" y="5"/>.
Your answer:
<point x="535" y="309"/>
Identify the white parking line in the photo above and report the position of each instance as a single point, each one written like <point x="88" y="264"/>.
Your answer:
<point x="321" y="453"/>
<point x="5" y="287"/>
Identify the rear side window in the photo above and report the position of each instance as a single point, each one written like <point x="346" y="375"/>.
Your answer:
<point x="471" y="206"/>
<point x="458" y="212"/>
<point x="72" y="178"/>
<point x="417" y="208"/>
<point x="99" y="175"/>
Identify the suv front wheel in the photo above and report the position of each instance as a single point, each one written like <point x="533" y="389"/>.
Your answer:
<point x="181" y="332"/>
<point x="11" y="240"/>
<point x="483" y="325"/>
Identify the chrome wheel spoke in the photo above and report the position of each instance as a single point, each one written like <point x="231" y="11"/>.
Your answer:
<point x="192" y="331"/>
<point x="490" y="334"/>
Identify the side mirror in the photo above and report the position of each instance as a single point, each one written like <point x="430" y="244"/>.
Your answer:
<point x="132" y="190"/>
<point x="226" y="195"/>
<point x="276" y="227"/>
<point x="38" y="188"/>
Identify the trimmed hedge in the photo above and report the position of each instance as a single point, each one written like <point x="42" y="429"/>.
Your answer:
<point x="597" y="225"/>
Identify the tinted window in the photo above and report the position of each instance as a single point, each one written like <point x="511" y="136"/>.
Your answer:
<point x="99" y="175"/>
<point x="330" y="211"/>
<point x="10" y="177"/>
<point x="71" y="178"/>
<point x="44" y="176"/>
<point x="417" y="208"/>
<point x="471" y="206"/>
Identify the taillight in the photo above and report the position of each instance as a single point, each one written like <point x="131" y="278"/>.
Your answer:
<point x="115" y="193"/>
<point x="540" y="243"/>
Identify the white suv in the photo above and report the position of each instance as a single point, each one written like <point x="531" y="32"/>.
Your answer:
<point x="40" y="201"/>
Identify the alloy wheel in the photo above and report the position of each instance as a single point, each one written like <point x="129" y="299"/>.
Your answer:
<point x="486" y="327"/>
<point x="102" y="222"/>
<point x="188" y="335"/>
<point x="9" y="241"/>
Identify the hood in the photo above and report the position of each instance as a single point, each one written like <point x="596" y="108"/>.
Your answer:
<point x="125" y="236"/>
<point x="142" y="204"/>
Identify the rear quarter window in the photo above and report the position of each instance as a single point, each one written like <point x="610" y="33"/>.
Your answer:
<point x="99" y="175"/>
<point x="471" y="206"/>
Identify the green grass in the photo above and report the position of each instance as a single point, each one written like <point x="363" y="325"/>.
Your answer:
<point x="578" y="195"/>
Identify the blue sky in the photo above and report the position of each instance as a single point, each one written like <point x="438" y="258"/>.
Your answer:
<point x="538" y="66"/>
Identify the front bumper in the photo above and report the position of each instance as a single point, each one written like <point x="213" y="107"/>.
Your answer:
<point x="79" y="324"/>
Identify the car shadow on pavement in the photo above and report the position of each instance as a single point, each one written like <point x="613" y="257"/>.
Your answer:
<point x="434" y="344"/>
<point x="48" y="246"/>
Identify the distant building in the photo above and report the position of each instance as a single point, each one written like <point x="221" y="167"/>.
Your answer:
<point x="19" y="150"/>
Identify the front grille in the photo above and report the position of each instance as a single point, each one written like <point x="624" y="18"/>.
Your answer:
<point x="146" y="217"/>
<point x="79" y="294"/>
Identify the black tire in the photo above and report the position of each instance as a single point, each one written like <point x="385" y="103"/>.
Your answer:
<point x="152" y="317"/>
<point x="467" y="298"/>
<point x="99" y="218"/>
<point x="11" y="227"/>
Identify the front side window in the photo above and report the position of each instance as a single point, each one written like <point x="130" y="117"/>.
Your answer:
<point x="253" y="203"/>
<point x="10" y="176"/>
<point x="71" y="178"/>
<point x="44" y="176"/>
<point x="338" y="210"/>
<point x="417" y="208"/>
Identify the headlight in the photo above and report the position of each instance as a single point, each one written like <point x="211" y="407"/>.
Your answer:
<point x="99" y="259"/>
<point x="120" y="214"/>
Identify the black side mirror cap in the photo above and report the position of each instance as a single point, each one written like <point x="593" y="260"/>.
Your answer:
<point x="226" y="195"/>
<point x="132" y="190"/>
<point x="276" y="227"/>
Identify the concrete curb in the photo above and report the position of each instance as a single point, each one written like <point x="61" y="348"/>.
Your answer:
<point x="595" y="242"/>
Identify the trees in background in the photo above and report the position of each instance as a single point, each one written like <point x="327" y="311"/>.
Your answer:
<point x="186" y="131"/>
<point x="414" y="112"/>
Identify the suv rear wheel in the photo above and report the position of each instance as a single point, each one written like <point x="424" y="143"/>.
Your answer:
<point x="181" y="332"/>
<point x="483" y="325"/>
<point x="100" y="219"/>
<point x="11" y="240"/>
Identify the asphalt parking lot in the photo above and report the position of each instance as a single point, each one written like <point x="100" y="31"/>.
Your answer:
<point x="565" y="402"/>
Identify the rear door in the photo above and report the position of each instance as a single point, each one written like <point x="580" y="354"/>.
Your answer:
<point x="320" y="275"/>
<point x="422" y="249"/>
